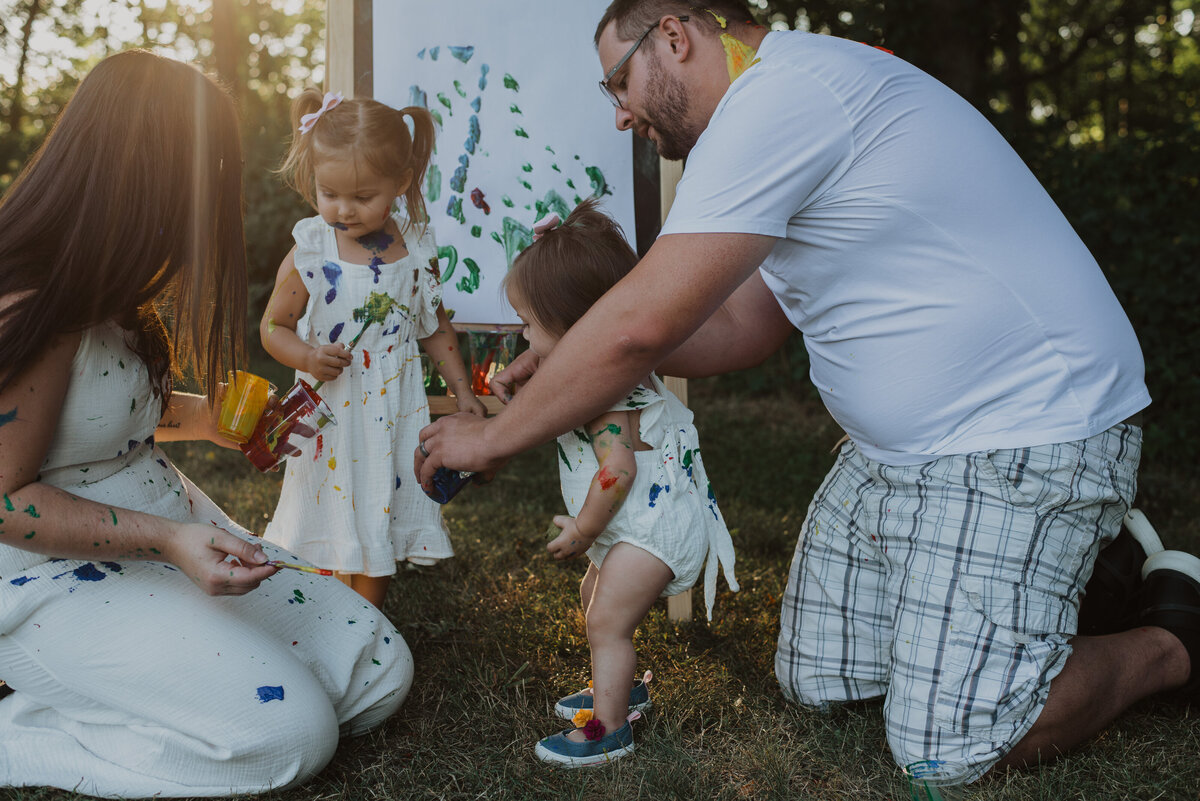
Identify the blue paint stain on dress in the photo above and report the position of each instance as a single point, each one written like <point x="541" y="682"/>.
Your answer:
<point x="397" y="482"/>
<point x="375" y="264"/>
<point x="483" y="71"/>
<point x="88" y="572"/>
<point x="462" y="52"/>
<point x="22" y="580"/>
<point x="333" y="274"/>
<point x="336" y="332"/>
<point x="655" y="490"/>
<point x="268" y="693"/>
<point x="476" y="104"/>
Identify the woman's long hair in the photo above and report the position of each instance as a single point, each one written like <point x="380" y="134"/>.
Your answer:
<point x="131" y="211"/>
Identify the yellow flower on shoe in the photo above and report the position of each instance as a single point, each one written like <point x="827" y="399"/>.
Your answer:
<point x="581" y="718"/>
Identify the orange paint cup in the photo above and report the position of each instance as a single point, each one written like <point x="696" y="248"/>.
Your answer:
<point x="244" y="402"/>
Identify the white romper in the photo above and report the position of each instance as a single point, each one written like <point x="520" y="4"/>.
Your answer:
<point x="349" y="502"/>
<point x="670" y="510"/>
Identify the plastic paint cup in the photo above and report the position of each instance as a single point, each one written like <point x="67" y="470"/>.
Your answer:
<point x="281" y="432"/>
<point x="243" y="405"/>
<point x="935" y="780"/>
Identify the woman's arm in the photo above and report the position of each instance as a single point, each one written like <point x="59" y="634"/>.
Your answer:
<point x="614" y="437"/>
<point x="189" y="417"/>
<point x="44" y="519"/>
<point x="278" y="328"/>
<point x="443" y="350"/>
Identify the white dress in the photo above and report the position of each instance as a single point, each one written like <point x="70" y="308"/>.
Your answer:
<point x="670" y="510"/>
<point x="350" y="502"/>
<point x="129" y="680"/>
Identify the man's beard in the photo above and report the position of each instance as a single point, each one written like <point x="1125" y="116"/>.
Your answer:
<point x="666" y="113"/>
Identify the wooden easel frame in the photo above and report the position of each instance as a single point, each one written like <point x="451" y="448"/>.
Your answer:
<point x="349" y="68"/>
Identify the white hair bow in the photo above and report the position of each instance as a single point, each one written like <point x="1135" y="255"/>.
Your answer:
<point x="547" y="223"/>
<point x="309" y="120"/>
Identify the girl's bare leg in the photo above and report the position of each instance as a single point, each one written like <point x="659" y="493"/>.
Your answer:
<point x="625" y="588"/>
<point x="373" y="588"/>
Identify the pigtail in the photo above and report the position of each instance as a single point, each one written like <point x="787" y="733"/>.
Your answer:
<point x="297" y="168"/>
<point x="423" y="133"/>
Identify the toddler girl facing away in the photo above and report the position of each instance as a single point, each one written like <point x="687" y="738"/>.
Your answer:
<point x="640" y="504"/>
<point x="352" y="299"/>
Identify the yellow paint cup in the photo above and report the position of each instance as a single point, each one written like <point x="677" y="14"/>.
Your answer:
<point x="243" y="405"/>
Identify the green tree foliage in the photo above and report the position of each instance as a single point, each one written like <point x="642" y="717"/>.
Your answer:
<point x="264" y="51"/>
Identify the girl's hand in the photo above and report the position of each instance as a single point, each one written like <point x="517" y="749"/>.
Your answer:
<point x="202" y="553"/>
<point x="570" y="542"/>
<point x="508" y="381"/>
<point x="326" y="362"/>
<point x="471" y="405"/>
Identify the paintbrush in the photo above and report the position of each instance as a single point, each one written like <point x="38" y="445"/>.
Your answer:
<point x="320" y="571"/>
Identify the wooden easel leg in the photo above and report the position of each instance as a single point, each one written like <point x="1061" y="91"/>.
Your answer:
<point x="679" y="607"/>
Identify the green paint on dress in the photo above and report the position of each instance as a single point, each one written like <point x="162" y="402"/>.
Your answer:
<point x="511" y="83"/>
<point x="514" y="109"/>
<point x="476" y="231"/>
<point x="521" y="133"/>
<point x="562" y="455"/>
<point x="527" y="167"/>
<point x="507" y="201"/>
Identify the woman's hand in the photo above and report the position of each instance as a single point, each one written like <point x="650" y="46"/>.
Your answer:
<point x="509" y="381"/>
<point x="202" y="552"/>
<point x="326" y="362"/>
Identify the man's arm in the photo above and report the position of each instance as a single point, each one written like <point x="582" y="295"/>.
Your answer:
<point x="747" y="328"/>
<point x="680" y="283"/>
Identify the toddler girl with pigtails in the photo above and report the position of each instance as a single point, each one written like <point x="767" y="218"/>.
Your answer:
<point x="352" y="301"/>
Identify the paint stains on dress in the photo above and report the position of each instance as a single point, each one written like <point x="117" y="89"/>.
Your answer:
<point x="267" y="693"/>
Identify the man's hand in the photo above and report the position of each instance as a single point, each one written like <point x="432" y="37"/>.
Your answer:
<point x="509" y="381"/>
<point x="458" y="441"/>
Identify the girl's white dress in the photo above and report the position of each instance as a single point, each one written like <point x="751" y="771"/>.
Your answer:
<point x="130" y="681"/>
<point x="350" y="502"/>
<point x="670" y="510"/>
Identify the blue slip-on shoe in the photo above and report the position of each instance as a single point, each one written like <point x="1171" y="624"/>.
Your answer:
<point x="639" y="699"/>
<point x="569" y="754"/>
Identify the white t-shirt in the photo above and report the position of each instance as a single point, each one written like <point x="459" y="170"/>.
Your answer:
<point x="946" y="303"/>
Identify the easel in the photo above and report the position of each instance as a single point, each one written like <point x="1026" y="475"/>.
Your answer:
<point x="348" y="65"/>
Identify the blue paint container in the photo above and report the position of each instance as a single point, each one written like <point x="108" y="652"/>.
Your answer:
<point x="447" y="483"/>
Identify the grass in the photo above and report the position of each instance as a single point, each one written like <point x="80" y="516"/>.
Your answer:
<point x="497" y="636"/>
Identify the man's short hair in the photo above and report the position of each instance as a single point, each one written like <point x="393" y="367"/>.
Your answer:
<point x="633" y="17"/>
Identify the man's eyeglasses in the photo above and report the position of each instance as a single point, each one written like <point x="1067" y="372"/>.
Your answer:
<point x="604" y="87"/>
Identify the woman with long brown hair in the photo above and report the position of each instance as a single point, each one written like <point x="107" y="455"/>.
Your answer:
<point x="121" y="260"/>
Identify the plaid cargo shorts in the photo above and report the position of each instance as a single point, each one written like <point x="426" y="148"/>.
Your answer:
<point x="951" y="588"/>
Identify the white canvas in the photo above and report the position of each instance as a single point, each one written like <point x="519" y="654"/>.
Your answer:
<point x="521" y="121"/>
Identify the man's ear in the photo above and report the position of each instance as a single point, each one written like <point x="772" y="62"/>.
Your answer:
<point x="676" y="35"/>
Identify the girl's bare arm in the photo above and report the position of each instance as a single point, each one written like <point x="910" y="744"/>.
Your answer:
<point x="443" y="350"/>
<point x="614" y="439"/>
